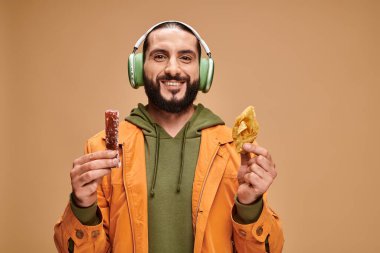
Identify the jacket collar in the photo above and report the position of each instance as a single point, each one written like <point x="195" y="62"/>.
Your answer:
<point x="220" y="134"/>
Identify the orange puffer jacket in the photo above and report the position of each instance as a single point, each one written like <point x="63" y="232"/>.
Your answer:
<point x="122" y="199"/>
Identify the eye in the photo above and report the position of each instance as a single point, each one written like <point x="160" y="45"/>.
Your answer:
<point x="159" y="57"/>
<point x="186" y="58"/>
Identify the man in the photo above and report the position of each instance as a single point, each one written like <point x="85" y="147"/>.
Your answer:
<point x="177" y="183"/>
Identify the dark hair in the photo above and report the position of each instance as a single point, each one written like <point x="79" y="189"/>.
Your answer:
<point x="170" y="24"/>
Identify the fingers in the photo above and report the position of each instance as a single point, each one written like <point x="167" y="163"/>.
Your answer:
<point x="104" y="154"/>
<point x="85" y="186"/>
<point x="255" y="168"/>
<point x="99" y="164"/>
<point x="89" y="176"/>
<point x="94" y="165"/>
<point x="265" y="164"/>
<point x="92" y="170"/>
<point x="252" y="178"/>
<point x="256" y="174"/>
<point x="257" y="150"/>
<point x="263" y="158"/>
<point x="87" y="173"/>
<point x="260" y="184"/>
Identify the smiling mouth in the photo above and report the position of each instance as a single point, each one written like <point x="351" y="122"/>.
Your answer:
<point x="172" y="83"/>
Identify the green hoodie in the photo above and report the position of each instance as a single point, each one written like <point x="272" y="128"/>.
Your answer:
<point x="171" y="163"/>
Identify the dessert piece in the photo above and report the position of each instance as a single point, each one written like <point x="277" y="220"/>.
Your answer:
<point x="112" y="129"/>
<point x="245" y="129"/>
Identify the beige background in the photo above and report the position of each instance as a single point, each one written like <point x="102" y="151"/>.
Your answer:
<point x="311" y="69"/>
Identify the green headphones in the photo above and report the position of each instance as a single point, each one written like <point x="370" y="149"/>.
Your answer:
<point x="136" y="65"/>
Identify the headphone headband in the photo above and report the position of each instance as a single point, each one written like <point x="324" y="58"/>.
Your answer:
<point x="201" y="41"/>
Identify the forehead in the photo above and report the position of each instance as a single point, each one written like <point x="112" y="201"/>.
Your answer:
<point x="172" y="39"/>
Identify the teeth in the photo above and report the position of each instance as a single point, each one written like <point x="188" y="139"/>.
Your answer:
<point x="172" y="83"/>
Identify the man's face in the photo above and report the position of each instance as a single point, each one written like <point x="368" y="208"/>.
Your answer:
<point x="171" y="69"/>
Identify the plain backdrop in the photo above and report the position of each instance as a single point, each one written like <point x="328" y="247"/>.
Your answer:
<point x="310" y="68"/>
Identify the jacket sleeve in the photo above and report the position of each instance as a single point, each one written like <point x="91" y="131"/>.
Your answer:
<point x="264" y="235"/>
<point x="69" y="231"/>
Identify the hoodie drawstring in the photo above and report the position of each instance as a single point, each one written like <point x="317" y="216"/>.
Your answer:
<point x="183" y="146"/>
<point x="155" y="160"/>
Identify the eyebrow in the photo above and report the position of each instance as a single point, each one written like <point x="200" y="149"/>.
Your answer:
<point x="187" y="51"/>
<point x="159" y="50"/>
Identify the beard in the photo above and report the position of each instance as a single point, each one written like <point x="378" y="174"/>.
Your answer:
<point x="174" y="105"/>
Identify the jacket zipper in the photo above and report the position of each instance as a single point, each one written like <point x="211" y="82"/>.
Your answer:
<point x="203" y="186"/>
<point x="129" y="208"/>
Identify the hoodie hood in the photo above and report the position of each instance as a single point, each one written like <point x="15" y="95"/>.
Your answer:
<point x="201" y="119"/>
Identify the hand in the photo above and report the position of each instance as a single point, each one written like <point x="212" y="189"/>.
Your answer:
<point x="87" y="173"/>
<point x="256" y="174"/>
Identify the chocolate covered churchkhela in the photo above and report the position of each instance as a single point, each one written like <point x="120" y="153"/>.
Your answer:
<point x="112" y="129"/>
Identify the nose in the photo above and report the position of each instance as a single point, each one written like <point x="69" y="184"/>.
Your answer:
<point x="172" y="68"/>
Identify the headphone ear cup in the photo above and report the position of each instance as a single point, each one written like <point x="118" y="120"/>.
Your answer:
<point x="135" y="70"/>
<point x="203" y="70"/>
<point x="206" y="74"/>
<point x="131" y="70"/>
<point x="139" y="70"/>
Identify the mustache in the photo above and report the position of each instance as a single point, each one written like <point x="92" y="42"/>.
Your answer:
<point x="176" y="78"/>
